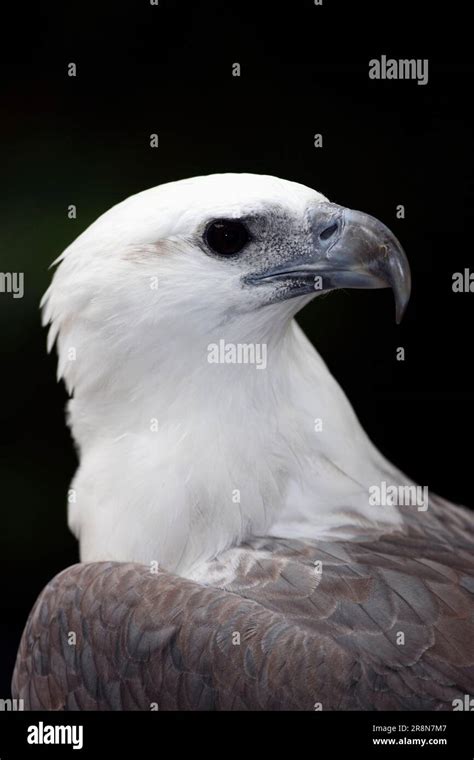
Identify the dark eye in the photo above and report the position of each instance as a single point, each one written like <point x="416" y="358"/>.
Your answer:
<point x="226" y="236"/>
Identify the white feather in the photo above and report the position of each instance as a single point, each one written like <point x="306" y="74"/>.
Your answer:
<point x="141" y="355"/>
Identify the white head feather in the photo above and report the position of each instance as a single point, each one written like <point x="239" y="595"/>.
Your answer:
<point x="180" y="458"/>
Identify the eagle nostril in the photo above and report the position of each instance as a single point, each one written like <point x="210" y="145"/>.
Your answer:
<point x="328" y="232"/>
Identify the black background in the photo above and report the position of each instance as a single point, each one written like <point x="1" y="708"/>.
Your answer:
<point x="120" y="733"/>
<point x="304" y="70"/>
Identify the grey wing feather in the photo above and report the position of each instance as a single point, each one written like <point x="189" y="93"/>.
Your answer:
<point x="381" y="624"/>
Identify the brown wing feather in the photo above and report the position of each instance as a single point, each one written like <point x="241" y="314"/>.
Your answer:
<point x="266" y="631"/>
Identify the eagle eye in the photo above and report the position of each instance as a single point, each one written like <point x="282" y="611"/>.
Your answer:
<point x="226" y="236"/>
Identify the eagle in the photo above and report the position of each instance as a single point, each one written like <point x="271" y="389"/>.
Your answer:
<point x="243" y="544"/>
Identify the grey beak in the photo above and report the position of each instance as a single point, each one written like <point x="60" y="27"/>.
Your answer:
<point x="349" y="249"/>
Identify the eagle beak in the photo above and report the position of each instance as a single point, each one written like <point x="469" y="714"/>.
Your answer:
<point x="349" y="249"/>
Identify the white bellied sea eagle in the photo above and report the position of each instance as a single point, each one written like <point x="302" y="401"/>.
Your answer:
<point x="234" y="554"/>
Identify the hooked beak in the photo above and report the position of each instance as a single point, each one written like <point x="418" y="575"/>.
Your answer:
<point x="349" y="249"/>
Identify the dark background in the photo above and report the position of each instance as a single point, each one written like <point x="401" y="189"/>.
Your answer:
<point x="85" y="141"/>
